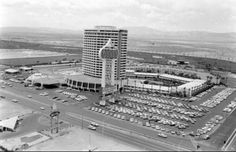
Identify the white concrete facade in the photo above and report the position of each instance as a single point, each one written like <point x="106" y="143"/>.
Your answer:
<point x="94" y="40"/>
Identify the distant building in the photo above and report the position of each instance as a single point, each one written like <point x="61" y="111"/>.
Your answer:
<point x="94" y="40"/>
<point x="172" y="62"/>
<point x="24" y="68"/>
<point x="181" y="62"/>
<point x="12" y="71"/>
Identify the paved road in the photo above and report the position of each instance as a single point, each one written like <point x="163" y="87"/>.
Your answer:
<point x="128" y="136"/>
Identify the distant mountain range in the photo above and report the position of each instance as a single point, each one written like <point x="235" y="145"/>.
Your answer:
<point x="149" y="33"/>
<point x="142" y="33"/>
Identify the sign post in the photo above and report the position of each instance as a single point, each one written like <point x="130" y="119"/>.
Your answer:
<point x="109" y="54"/>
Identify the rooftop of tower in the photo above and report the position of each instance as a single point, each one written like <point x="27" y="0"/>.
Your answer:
<point x="100" y="27"/>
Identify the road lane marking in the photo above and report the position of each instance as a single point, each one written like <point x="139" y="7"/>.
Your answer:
<point x="229" y="141"/>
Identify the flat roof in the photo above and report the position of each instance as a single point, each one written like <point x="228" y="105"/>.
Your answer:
<point x="84" y="78"/>
<point x="26" y="68"/>
<point x="9" y="123"/>
<point x="11" y="70"/>
<point x="192" y="84"/>
<point x="164" y="75"/>
<point x="176" y="77"/>
<point x="129" y="71"/>
<point x="146" y="74"/>
<point x="138" y="83"/>
<point x="47" y="81"/>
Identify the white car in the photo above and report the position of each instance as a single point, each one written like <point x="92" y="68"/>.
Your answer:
<point x="162" y="135"/>
<point x="14" y="100"/>
<point x="59" y="91"/>
<point x="29" y="96"/>
<point x="92" y="127"/>
<point x="42" y="108"/>
<point x="43" y="94"/>
<point x="94" y="124"/>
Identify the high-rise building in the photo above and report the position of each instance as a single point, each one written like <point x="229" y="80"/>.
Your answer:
<point x="94" y="40"/>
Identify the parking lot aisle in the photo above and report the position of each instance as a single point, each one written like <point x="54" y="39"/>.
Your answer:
<point x="218" y="110"/>
<point x="224" y="131"/>
<point x="209" y="95"/>
<point x="139" y="129"/>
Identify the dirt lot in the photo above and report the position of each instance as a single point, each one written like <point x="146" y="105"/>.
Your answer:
<point x="83" y="140"/>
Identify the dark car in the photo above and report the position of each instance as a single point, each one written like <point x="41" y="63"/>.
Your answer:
<point x="3" y="97"/>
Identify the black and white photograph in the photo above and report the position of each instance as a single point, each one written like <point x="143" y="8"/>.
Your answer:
<point x="117" y="75"/>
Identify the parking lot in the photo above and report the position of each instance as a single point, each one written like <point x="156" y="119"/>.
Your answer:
<point x="171" y="116"/>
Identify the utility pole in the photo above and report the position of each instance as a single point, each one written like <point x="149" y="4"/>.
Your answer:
<point x="82" y="120"/>
<point x="196" y="146"/>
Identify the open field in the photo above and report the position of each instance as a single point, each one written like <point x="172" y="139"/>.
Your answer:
<point x="11" y="44"/>
<point x="5" y="105"/>
<point x="27" y="53"/>
<point x="199" y="62"/>
<point x="29" y="61"/>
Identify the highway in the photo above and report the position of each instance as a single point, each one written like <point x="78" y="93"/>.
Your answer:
<point x="114" y="128"/>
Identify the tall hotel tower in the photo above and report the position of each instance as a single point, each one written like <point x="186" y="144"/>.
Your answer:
<point x="94" y="40"/>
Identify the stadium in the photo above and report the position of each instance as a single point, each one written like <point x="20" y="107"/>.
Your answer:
<point x="164" y="83"/>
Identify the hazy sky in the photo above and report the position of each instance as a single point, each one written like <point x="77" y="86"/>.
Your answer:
<point x="207" y="15"/>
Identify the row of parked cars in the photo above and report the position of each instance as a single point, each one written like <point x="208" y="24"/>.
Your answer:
<point x="74" y="96"/>
<point x="43" y="94"/>
<point x="156" y="115"/>
<point x="146" y="99"/>
<point x="168" y="106"/>
<point x="209" y="126"/>
<point x="230" y="107"/>
<point x="200" y="95"/>
<point x="218" y="98"/>
<point x="131" y="118"/>
<point x="6" y="84"/>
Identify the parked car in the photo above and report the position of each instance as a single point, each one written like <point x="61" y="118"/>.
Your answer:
<point x="3" y="97"/>
<point x="162" y="135"/>
<point x="92" y="127"/>
<point x="94" y="124"/>
<point x="43" y="94"/>
<point x="15" y="100"/>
